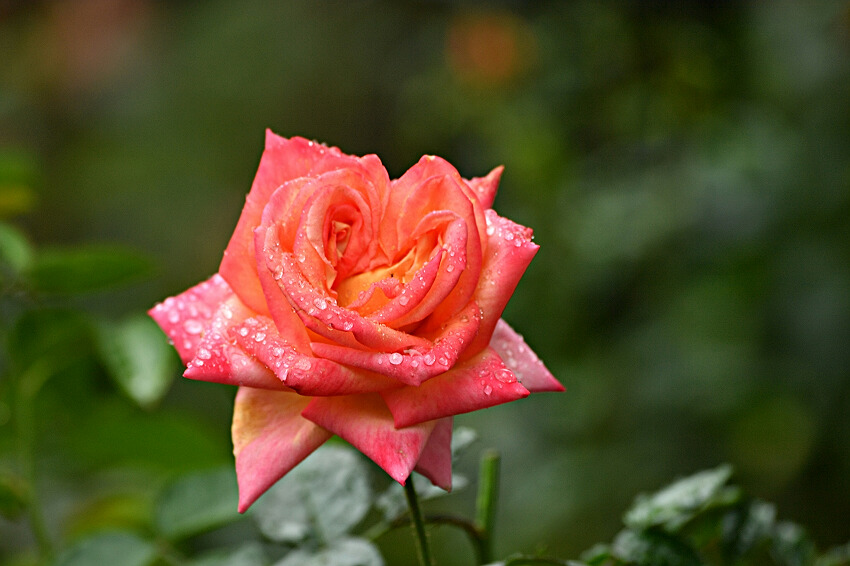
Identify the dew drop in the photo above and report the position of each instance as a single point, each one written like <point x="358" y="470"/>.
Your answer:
<point x="199" y="363"/>
<point x="450" y="268"/>
<point x="259" y="336"/>
<point x="320" y="303"/>
<point x="277" y="351"/>
<point x="414" y="363"/>
<point x="505" y="376"/>
<point x="243" y="331"/>
<point x="173" y="317"/>
<point x="443" y="361"/>
<point x="396" y="358"/>
<point x="347" y="325"/>
<point x="488" y="390"/>
<point x="428" y="359"/>
<point x="404" y="300"/>
<point x="303" y="364"/>
<point x="193" y="327"/>
<point x="491" y="230"/>
<point x="204" y="354"/>
<point x="509" y="236"/>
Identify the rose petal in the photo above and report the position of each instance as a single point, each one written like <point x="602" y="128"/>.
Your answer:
<point x="218" y="360"/>
<point x="416" y="365"/>
<point x="509" y="251"/>
<point x="365" y="422"/>
<point x="305" y="374"/>
<point x="310" y="302"/>
<point x="521" y="360"/>
<point x="478" y="383"/>
<point x="185" y="317"/>
<point x="436" y="460"/>
<point x="270" y="437"/>
<point x="283" y="160"/>
<point x="485" y="187"/>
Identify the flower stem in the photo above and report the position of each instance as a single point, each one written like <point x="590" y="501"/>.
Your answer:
<point x="485" y="504"/>
<point x="418" y="524"/>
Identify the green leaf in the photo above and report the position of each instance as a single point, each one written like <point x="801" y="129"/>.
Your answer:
<point x="324" y="496"/>
<point x="341" y="552"/>
<point x="15" y="250"/>
<point x="748" y="528"/>
<point x="87" y="268"/>
<point x="197" y="503"/>
<point x="51" y="336"/>
<point x="837" y="556"/>
<point x="679" y="502"/>
<point x="14" y="495"/>
<point x="137" y="356"/>
<point x="652" y="548"/>
<point x="792" y="546"/>
<point x="114" y="549"/>
<point x="250" y="554"/>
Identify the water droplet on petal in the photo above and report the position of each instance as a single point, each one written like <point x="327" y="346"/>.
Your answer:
<point x="396" y="358"/>
<point x="505" y="376"/>
<point x="490" y="229"/>
<point x="243" y="331"/>
<point x="443" y="361"/>
<point x="403" y="300"/>
<point x="320" y="303"/>
<point x="204" y="354"/>
<point x="488" y="390"/>
<point x="173" y="317"/>
<point x="303" y="364"/>
<point x="450" y="268"/>
<point x="259" y="336"/>
<point x="193" y="327"/>
<point x="414" y="363"/>
<point x="347" y="325"/>
<point x="428" y="359"/>
<point x="509" y="236"/>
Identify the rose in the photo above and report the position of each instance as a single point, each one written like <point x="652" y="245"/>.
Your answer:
<point x="350" y="304"/>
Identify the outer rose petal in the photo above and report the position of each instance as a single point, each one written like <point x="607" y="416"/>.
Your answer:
<point x="183" y="318"/>
<point x="521" y="360"/>
<point x="219" y="360"/>
<point x="436" y="460"/>
<point x="509" y="251"/>
<point x="366" y="423"/>
<point x="305" y="374"/>
<point x="478" y="383"/>
<point x="485" y="187"/>
<point x="269" y="438"/>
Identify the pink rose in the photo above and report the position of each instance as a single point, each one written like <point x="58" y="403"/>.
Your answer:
<point x="351" y="304"/>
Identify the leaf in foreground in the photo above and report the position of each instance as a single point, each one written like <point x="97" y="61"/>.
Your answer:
<point x="197" y="503"/>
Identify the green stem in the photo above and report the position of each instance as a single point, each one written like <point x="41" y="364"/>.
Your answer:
<point x="485" y="504"/>
<point x="418" y="524"/>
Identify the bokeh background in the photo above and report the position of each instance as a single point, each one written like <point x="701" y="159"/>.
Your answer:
<point x="685" y="166"/>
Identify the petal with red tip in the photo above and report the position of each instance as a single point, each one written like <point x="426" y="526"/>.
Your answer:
<point x="478" y="383"/>
<point x="485" y="187"/>
<point x="436" y="460"/>
<point x="305" y="374"/>
<point x="270" y="437"/>
<point x="509" y="251"/>
<point x="365" y="422"/>
<point x="412" y="366"/>
<point x="184" y="318"/>
<point x="522" y="360"/>
<point x="219" y="360"/>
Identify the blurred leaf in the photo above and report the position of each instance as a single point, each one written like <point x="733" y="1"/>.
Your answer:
<point x="138" y="357"/>
<point x="114" y="511"/>
<point x="197" y="503"/>
<point x="14" y="495"/>
<point x="792" y="546"/>
<point x="86" y="268"/>
<point x="52" y="336"/>
<point x="15" y="249"/>
<point x="838" y="556"/>
<point x="250" y="554"/>
<point x="462" y="438"/>
<point x="18" y="171"/>
<point x="676" y="504"/>
<point x="114" y="549"/>
<point x="745" y="529"/>
<point x="652" y="548"/>
<point x="325" y="495"/>
<point x="341" y="552"/>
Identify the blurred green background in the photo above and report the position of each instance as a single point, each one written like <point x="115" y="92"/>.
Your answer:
<point x="685" y="167"/>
